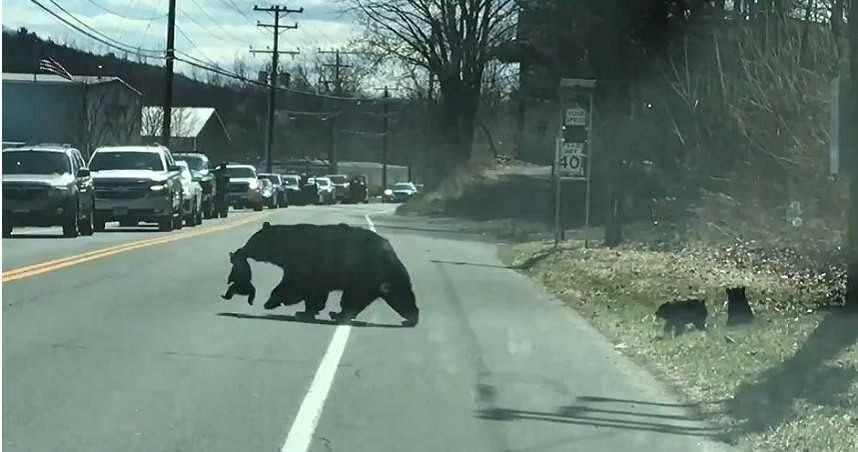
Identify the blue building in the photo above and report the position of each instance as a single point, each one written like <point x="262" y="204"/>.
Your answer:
<point x="85" y="112"/>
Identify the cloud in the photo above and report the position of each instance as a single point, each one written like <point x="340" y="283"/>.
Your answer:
<point x="216" y="30"/>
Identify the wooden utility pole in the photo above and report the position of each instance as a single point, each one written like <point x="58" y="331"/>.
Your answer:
<point x="338" y="66"/>
<point x="384" y="141"/>
<point x="848" y="158"/>
<point x="277" y="10"/>
<point x="168" y="79"/>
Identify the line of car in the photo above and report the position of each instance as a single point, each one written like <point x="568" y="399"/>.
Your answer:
<point x="53" y="185"/>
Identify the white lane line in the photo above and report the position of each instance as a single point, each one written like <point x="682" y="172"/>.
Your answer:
<point x="304" y="426"/>
<point x="301" y="433"/>
<point x="369" y="222"/>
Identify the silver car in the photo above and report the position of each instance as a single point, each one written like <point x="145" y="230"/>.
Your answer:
<point x="192" y="196"/>
<point x="136" y="183"/>
<point x="245" y="190"/>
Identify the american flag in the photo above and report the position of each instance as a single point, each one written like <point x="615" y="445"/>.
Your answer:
<point x="51" y="65"/>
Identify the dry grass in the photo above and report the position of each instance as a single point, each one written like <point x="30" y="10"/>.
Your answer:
<point x="789" y="382"/>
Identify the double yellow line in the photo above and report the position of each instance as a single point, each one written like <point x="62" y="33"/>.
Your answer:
<point x="53" y="265"/>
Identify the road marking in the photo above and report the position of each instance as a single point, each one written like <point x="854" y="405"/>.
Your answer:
<point x="304" y="426"/>
<point x="57" y="264"/>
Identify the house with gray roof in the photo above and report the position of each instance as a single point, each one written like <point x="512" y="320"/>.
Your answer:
<point x="192" y="129"/>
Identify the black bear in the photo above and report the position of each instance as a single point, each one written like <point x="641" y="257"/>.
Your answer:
<point x="677" y="314"/>
<point x="318" y="259"/>
<point x="239" y="279"/>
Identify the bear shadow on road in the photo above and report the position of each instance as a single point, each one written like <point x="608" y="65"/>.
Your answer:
<point x="292" y="318"/>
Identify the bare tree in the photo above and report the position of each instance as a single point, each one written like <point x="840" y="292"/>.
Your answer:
<point x="454" y="40"/>
<point x="182" y="121"/>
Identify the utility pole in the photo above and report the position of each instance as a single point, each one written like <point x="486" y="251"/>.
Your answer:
<point x="337" y="65"/>
<point x="384" y="141"/>
<point x="168" y="79"/>
<point x="277" y="10"/>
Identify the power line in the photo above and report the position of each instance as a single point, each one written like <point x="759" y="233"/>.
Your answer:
<point x="91" y="35"/>
<point x="194" y="45"/>
<point x="205" y="29"/>
<point x="215" y="22"/>
<point x="96" y="32"/>
<point x="110" y="11"/>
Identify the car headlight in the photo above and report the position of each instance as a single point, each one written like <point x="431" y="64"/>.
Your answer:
<point x="253" y="185"/>
<point x="388" y="192"/>
<point x="158" y="187"/>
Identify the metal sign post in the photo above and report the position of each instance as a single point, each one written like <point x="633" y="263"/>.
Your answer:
<point x="573" y="153"/>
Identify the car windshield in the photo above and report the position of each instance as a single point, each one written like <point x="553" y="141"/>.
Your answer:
<point x="323" y="182"/>
<point x="241" y="172"/>
<point x="126" y="160"/>
<point x="403" y="186"/>
<point x="196" y="163"/>
<point x="339" y="179"/>
<point x="274" y="179"/>
<point x="35" y="162"/>
<point x="290" y="181"/>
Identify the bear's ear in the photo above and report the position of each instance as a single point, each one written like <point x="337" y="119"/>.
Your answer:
<point x="265" y="225"/>
<point x="231" y="255"/>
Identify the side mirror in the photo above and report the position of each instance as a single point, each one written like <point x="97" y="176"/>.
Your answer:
<point x="174" y="168"/>
<point x="83" y="172"/>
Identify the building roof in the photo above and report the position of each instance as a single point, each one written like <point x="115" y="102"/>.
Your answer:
<point x="56" y="79"/>
<point x="188" y="122"/>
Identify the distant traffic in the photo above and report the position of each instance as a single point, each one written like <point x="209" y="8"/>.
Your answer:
<point x="53" y="185"/>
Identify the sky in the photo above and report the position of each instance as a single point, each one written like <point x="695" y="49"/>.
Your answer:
<point x="210" y="30"/>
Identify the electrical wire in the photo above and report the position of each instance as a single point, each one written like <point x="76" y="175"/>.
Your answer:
<point x="205" y="57"/>
<point x="110" y="11"/>
<point x="215" y="22"/>
<point x="98" y="33"/>
<point x="94" y="36"/>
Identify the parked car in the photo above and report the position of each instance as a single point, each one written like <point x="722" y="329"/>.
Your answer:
<point x="47" y="186"/>
<point x="192" y="196"/>
<point x="281" y="191"/>
<point x="136" y="183"/>
<point x="269" y="193"/>
<point x="202" y="174"/>
<point x="244" y="187"/>
<point x="292" y="184"/>
<point x="341" y="186"/>
<point x="326" y="191"/>
<point x="400" y="192"/>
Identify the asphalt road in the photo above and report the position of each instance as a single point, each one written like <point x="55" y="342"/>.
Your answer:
<point x="131" y="349"/>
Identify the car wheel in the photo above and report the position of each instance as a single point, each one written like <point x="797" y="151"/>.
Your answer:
<point x="165" y="224"/>
<point x="199" y="217"/>
<point x="98" y="224"/>
<point x="257" y="207"/>
<point x="87" y="226"/>
<point x="70" y="224"/>
<point x="178" y="222"/>
<point x="7" y="229"/>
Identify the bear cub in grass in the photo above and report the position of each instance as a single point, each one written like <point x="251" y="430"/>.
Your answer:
<point x="239" y="279"/>
<point x="678" y="314"/>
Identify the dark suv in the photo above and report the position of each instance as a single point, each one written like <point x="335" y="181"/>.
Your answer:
<point x="47" y="186"/>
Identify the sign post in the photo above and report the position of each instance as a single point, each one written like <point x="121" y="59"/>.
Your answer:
<point x="573" y="151"/>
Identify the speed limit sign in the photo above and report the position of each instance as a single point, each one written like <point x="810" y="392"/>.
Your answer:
<point x="570" y="159"/>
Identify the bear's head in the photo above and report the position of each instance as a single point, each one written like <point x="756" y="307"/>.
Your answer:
<point x="259" y="245"/>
